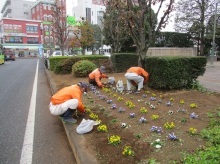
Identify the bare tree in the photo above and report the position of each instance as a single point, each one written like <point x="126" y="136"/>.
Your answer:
<point x="192" y="17"/>
<point x="115" y="29"/>
<point x="144" y="18"/>
<point x="59" y="25"/>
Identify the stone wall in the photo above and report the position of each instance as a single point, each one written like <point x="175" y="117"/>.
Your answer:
<point x="172" y="51"/>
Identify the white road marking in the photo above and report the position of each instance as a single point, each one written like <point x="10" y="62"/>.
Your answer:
<point x="27" y="149"/>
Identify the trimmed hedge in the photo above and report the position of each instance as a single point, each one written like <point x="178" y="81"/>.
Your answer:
<point x="55" y="61"/>
<point x="174" y="72"/>
<point x="123" y="61"/>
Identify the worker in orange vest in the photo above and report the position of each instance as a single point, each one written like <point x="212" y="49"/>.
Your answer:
<point x="67" y="100"/>
<point x="96" y="76"/>
<point x="136" y="76"/>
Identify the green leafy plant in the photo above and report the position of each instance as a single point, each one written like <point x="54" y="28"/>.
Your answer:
<point x="82" y="68"/>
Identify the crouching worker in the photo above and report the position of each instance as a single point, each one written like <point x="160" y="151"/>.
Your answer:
<point x="96" y="76"/>
<point x="136" y="76"/>
<point x="67" y="100"/>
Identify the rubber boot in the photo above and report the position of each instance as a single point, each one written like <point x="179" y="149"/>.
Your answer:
<point x="68" y="116"/>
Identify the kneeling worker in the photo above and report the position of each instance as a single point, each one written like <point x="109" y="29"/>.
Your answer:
<point x="96" y="76"/>
<point x="67" y="100"/>
<point x="136" y="76"/>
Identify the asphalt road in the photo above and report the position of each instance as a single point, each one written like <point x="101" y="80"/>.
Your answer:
<point x="29" y="133"/>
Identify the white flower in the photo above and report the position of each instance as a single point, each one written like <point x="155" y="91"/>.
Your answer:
<point x="158" y="146"/>
<point x="123" y="125"/>
<point x="157" y="140"/>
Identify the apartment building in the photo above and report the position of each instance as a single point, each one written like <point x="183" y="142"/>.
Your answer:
<point x="19" y="9"/>
<point x="91" y="10"/>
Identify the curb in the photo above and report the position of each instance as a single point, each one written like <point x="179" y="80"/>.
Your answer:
<point x="81" y="150"/>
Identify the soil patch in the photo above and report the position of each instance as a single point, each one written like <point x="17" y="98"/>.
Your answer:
<point x="173" y="106"/>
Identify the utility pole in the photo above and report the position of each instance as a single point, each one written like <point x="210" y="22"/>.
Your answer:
<point x="213" y="39"/>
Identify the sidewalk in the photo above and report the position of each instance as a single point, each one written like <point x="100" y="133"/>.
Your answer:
<point x="211" y="78"/>
<point x="82" y="150"/>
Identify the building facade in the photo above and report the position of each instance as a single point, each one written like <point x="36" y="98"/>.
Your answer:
<point x="21" y="35"/>
<point x="19" y="9"/>
<point x="42" y="10"/>
<point x="91" y="10"/>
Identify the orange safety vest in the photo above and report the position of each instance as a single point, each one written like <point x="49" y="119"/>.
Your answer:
<point x="139" y="71"/>
<point x="67" y="93"/>
<point x="97" y="75"/>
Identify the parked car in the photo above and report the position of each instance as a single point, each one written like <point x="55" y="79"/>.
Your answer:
<point x="9" y="55"/>
<point x="59" y="53"/>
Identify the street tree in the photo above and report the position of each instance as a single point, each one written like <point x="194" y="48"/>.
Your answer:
<point x="144" y="19"/>
<point x="59" y="26"/>
<point x="115" y="29"/>
<point x="192" y="16"/>
<point x="83" y="36"/>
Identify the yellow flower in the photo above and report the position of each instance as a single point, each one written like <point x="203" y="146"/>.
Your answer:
<point x="102" y="128"/>
<point x="192" y="131"/>
<point x="93" y="116"/>
<point x="168" y="125"/>
<point x="143" y="110"/>
<point x="154" y="117"/>
<point x="128" y="151"/>
<point x="193" y="105"/>
<point x="120" y="98"/>
<point x="114" y="140"/>
<point x="182" y="102"/>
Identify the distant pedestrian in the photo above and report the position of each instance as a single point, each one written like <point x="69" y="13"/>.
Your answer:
<point x="96" y="76"/>
<point x="136" y="76"/>
<point x="67" y="100"/>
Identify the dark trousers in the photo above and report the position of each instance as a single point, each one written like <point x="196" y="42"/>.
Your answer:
<point x="92" y="81"/>
<point x="68" y="114"/>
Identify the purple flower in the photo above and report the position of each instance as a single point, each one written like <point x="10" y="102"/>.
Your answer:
<point x="132" y="115"/>
<point x="109" y="101"/>
<point x="144" y="96"/>
<point x="102" y="97"/>
<point x="121" y="110"/>
<point x="193" y="115"/>
<point x="156" y="129"/>
<point x="172" y="137"/>
<point x="153" y="98"/>
<point x="113" y="106"/>
<point x="142" y="120"/>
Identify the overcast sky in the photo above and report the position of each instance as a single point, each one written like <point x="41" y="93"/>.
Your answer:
<point x="70" y="3"/>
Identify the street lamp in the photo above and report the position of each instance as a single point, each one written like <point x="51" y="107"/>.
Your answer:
<point x="213" y="39"/>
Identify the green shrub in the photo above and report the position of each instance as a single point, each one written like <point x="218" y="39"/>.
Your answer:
<point x="65" y="66"/>
<point x="173" y="72"/>
<point x="82" y="68"/>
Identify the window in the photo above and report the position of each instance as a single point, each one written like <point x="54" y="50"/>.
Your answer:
<point x="44" y="6"/>
<point x="49" y="17"/>
<point x="49" y="7"/>
<point x="46" y="28"/>
<point x="46" y="39"/>
<point x="13" y="39"/>
<point x="31" y="29"/>
<point x="32" y="40"/>
<point x="88" y="14"/>
<point x="45" y="17"/>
